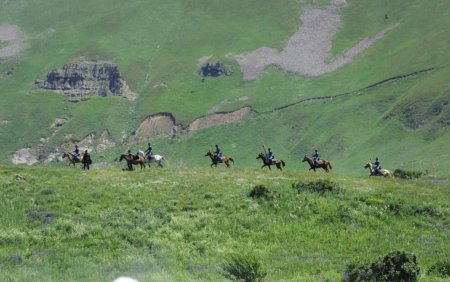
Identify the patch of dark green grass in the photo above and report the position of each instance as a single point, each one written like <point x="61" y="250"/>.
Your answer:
<point x="409" y="174"/>
<point x="440" y="269"/>
<point x="320" y="186"/>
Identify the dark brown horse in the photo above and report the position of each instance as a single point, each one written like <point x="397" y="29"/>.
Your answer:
<point x="326" y="165"/>
<point x="266" y="162"/>
<point x="72" y="159"/>
<point x="223" y="159"/>
<point x="131" y="161"/>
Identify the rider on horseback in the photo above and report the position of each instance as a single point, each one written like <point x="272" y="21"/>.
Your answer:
<point x="270" y="156"/>
<point x="76" y="153"/>
<point x="218" y="154"/>
<point x="149" y="152"/>
<point x="377" y="166"/>
<point x="316" y="157"/>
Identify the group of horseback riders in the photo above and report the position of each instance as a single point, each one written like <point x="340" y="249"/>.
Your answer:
<point x="148" y="154"/>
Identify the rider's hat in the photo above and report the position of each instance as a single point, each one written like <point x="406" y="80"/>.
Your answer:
<point x="268" y="149"/>
<point x="376" y="158"/>
<point x="76" y="146"/>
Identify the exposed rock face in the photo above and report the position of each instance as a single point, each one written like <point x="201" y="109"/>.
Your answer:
<point x="87" y="78"/>
<point x="24" y="156"/>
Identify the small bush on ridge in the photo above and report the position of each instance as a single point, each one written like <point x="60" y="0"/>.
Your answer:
<point x="395" y="266"/>
<point x="260" y="191"/>
<point x="243" y="268"/>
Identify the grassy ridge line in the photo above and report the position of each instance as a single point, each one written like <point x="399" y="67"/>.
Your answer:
<point x="183" y="223"/>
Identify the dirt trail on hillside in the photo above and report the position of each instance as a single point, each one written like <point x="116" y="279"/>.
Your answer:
<point x="308" y="51"/>
<point x="14" y="37"/>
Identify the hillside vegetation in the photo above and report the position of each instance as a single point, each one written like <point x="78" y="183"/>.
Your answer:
<point x="157" y="46"/>
<point x="61" y="224"/>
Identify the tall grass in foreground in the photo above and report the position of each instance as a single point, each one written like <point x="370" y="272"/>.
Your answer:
<point x="184" y="225"/>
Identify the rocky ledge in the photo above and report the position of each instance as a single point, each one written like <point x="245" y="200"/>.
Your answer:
<point x="87" y="78"/>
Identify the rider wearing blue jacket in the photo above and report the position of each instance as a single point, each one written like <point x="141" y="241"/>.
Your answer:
<point x="218" y="154"/>
<point x="270" y="156"/>
<point x="316" y="157"/>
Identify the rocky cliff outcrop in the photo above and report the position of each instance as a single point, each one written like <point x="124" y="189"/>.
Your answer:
<point x="87" y="78"/>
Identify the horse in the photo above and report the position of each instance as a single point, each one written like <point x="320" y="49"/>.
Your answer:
<point x="158" y="159"/>
<point x="223" y="159"/>
<point x="326" y="165"/>
<point x="72" y="159"/>
<point x="266" y="162"/>
<point x="131" y="161"/>
<point x="383" y="172"/>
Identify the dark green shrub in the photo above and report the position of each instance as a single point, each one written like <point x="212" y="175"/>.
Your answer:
<point x="243" y="268"/>
<point x="319" y="186"/>
<point x="408" y="174"/>
<point x="441" y="269"/>
<point x="395" y="266"/>
<point x="426" y="210"/>
<point x="260" y="191"/>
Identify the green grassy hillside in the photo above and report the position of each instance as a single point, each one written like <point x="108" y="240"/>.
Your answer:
<point x="183" y="224"/>
<point x="404" y="122"/>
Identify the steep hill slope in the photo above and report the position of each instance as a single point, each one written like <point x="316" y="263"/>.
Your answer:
<point x="159" y="48"/>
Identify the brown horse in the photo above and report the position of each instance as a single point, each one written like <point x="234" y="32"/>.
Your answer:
<point x="266" y="162"/>
<point x="131" y="161"/>
<point x="72" y="159"/>
<point x="383" y="172"/>
<point x="326" y="165"/>
<point x="223" y="159"/>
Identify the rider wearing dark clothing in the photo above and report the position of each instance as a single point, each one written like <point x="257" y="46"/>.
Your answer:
<point x="377" y="166"/>
<point x="270" y="156"/>
<point x="218" y="154"/>
<point x="149" y="151"/>
<point x="76" y="152"/>
<point x="316" y="157"/>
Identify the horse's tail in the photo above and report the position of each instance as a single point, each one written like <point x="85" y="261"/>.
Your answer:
<point x="231" y="159"/>
<point x="283" y="163"/>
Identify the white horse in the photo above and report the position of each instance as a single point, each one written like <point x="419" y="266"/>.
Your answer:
<point x="158" y="159"/>
<point x="383" y="172"/>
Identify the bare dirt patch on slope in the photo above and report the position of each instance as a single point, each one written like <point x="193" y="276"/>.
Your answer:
<point x="12" y="39"/>
<point x="164" y="125"/>
<point x="308" y="51"/>
<point x="218" y="119"/>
